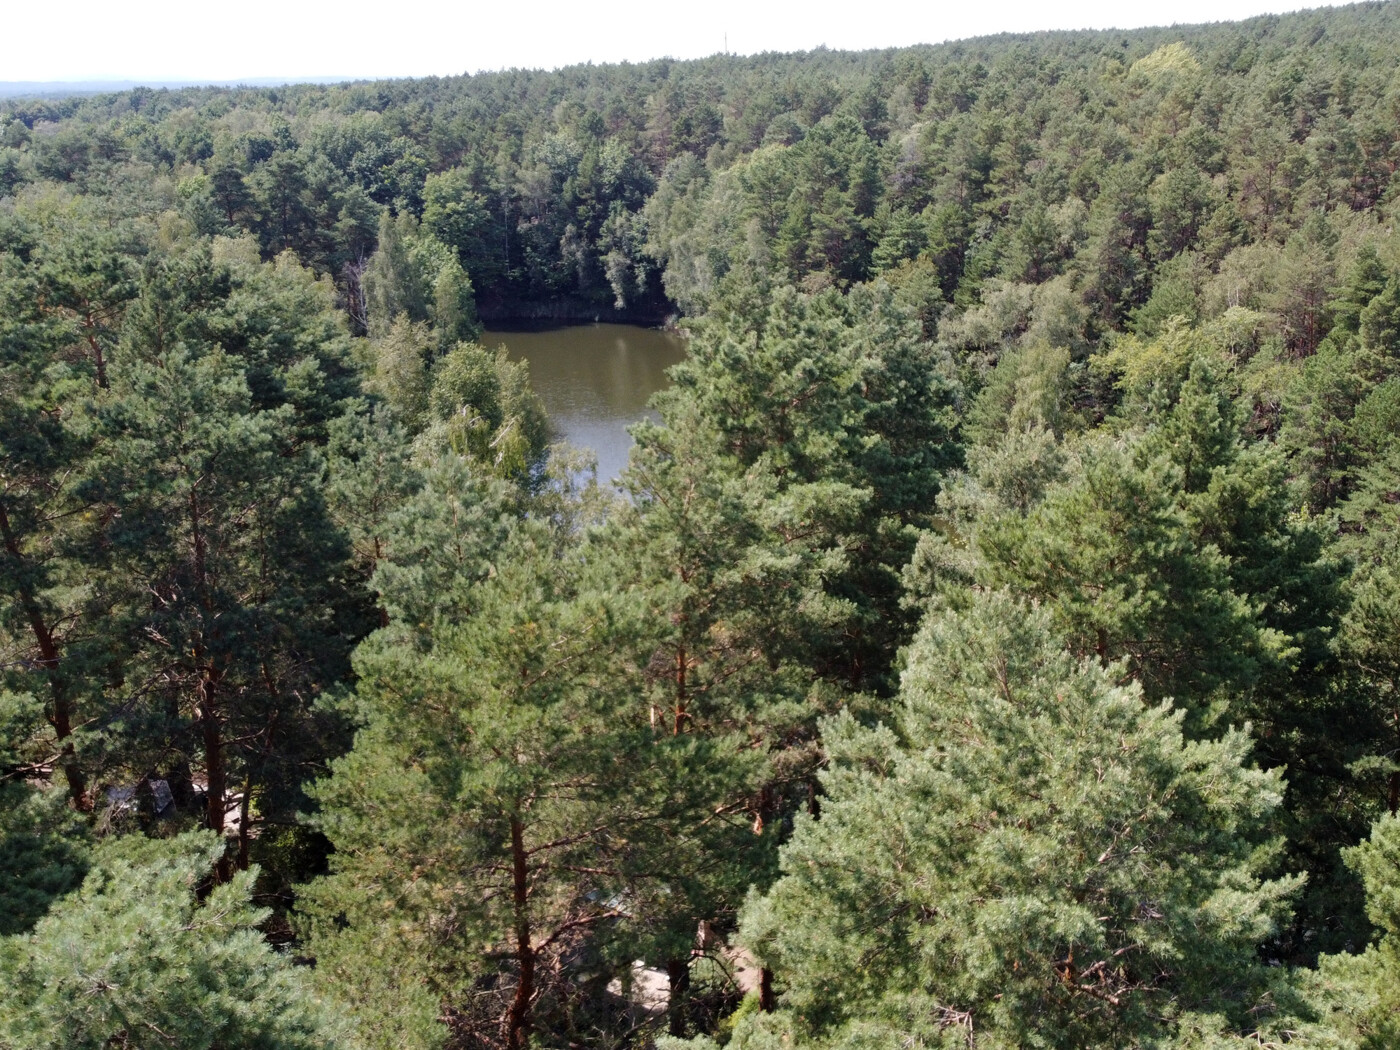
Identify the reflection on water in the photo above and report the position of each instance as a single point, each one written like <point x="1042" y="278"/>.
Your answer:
<point x="595" y="380"/>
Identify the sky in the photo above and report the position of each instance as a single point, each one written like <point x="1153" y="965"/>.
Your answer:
<point x="159" y="40"/>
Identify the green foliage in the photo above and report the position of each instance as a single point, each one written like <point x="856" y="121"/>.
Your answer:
<point x="1117" y="563"/>
<point x="414" y="276"/>
<point x="441" y="542"/>
<point x="401" y="371"/>
<point x="1356" y="994"/>
<point x="461" y="218"/>
<point x="370" y="477"/>
<point x="1320" y="404"/>
<point x="489" y="412"/>
<point x="1368" y="647"/>
<point x="219" y="514"/>
<point x="1108" y="321"/>
<point x="140" y="957"/>
<point x="1028" y="390"/>
<point x="1026" y="850"/>
<point x="43" y="854"/>
<point x="834" y="398"/>
<point x="43" y="844"/>
<point x="540" y="807"/>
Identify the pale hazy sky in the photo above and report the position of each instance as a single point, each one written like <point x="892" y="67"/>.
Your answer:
<point x="189" y="40"/>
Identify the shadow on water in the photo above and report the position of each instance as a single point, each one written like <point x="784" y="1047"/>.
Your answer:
<point x="595" y="380"/>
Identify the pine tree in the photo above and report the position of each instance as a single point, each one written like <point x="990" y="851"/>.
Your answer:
<point x="237" y="597"/>
<point x="1111" y="553"/>
<point x="509" y="763"/>
<point x="722" y="554"/>
<point x="43" y="842"/>
<point x="370" y="476"/>
<point x="1026" y="852"/>
<point x="1355" y="995"/>
<point x="58" y="309"/>
<point x="231" y="606"/>
<point x="401" y="371"/>
<point x="840" y="402"/>
<point x="141" y="957"/>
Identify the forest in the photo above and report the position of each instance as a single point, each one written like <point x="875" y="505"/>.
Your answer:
<point x="993" y="641"/>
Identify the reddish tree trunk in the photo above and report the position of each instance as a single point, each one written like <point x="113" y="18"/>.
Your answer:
<point x="98" y="359"/>
<point x="244" y="834"/>
<point x="681" y="699"/>
<point x="518" y="1020"/>
<point x="767" y="1001"/>
<point x="61" y="714"/>
<point x="215" y="770"/>
<point x="211" y="730"/>
<point x="678" y="974"/>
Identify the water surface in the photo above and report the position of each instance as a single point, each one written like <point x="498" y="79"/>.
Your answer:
<point x="594" y="380"/>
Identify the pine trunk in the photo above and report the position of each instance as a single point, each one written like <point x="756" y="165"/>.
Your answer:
<point x="767" y="1001"/>
<point x="678" y="973"/>
<point x="681" y="698"/>
<point x="216" y="774"/>
<point x="518" y="1020"/>
<point x="61" y="713"/>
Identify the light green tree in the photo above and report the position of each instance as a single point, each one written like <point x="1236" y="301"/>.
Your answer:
<point x="1356" y="997"/>
<point x="488" y="412"/>
<point x="401" y="374"/>
<point x="141" y="957"/>
<point x="1026" y="854"/>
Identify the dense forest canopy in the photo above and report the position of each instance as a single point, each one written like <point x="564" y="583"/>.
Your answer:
<point x="995" y="642"/>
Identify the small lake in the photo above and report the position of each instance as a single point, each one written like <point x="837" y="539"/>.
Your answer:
<point x="595" y="380"/>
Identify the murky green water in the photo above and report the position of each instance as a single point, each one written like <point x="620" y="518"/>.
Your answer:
<point x="595" y="380"/>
